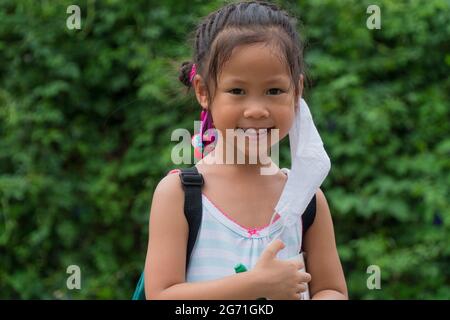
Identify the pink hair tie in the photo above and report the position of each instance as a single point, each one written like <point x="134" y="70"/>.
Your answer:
<point x="193" y="72"/>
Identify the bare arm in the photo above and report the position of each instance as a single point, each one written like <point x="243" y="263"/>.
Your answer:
<point x="166" y="254"/>
<point x="241" y="286"/>
<point x="323" y="263"/>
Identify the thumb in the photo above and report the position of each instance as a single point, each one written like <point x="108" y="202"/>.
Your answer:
<point x="272" y="249"/>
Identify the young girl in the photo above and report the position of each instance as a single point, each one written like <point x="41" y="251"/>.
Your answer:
<point x="247" y="72"/>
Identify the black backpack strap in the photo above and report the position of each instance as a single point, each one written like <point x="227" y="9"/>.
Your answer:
<point x="309" y="215"/>
<point x="192" y="182"/>
<point x="307" y="220"/>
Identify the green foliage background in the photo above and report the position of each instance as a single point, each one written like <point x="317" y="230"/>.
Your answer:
<point x="86" y="117"/>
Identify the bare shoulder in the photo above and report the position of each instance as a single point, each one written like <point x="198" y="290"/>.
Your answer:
<point x="168" y="200"/>
<point x="168" y="233"/>
<point x="322" y="226"/>
<point x="169" y="187"/>
<point x="322" y="203"/>
<point x="167" y="207"/>
<point x="323" y="223"/>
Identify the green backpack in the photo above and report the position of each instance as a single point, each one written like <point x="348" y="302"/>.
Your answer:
<point x="192" y="182"/>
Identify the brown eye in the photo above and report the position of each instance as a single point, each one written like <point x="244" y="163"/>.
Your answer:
<point x="275" y="91"/>
<point x="236" y="91"/>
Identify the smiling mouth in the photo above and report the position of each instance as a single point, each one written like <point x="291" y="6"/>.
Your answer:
<point x="255" y="131"/>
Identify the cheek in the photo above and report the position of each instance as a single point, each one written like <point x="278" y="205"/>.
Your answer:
<point x="285" y="122"/>
<point x="225" y="115"/>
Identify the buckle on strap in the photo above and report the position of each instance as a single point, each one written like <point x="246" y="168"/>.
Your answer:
<point x="191" y="179"/>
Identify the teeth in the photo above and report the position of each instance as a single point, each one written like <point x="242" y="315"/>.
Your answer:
<point x="261" y="130"/>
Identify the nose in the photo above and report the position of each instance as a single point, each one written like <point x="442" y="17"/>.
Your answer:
<point x="256" y="110"/>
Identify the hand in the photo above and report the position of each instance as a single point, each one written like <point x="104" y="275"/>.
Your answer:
<point x="281" y="279"/>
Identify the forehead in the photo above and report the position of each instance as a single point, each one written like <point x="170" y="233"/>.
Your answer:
<point x="252" y="63"/>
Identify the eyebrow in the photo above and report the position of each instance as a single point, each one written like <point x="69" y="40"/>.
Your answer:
<point x="270" y="80"/>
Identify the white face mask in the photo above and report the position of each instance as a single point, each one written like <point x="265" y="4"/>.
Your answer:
<point x="310" y="167"/>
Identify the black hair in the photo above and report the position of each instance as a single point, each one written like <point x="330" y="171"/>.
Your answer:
<point x="243" y="23"/>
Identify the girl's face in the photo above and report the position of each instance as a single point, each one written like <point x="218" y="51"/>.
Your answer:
<point x="254" y="90"/>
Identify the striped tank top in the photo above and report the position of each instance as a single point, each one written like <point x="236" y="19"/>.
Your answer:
<point x="222" y="243"/>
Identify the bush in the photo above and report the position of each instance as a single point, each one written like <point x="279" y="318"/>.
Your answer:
<point x="86" y="117"/>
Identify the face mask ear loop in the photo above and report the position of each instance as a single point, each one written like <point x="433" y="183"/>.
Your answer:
<point x="281" y="212"/>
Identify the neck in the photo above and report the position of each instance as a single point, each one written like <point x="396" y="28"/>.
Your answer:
<point x="229" y="160"/>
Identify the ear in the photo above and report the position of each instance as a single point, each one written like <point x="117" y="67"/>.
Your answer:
<point x="200" y="91"/>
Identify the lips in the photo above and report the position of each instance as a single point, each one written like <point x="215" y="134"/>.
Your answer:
<point x="255" y="131"/>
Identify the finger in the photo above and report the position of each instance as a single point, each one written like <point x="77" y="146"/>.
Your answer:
<point x="295" y="264"/>
<point x="297" y="296"/>
<point x="301" y="287"/>
<point x="299" y="264"/>
<point x="305" y="277"/>
<point x="271" y="251"/>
